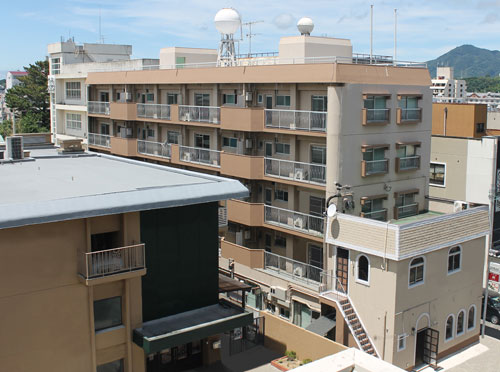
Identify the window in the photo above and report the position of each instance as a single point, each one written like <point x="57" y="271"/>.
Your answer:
<point x="116" y="366"/>
<point x="73" y="90"/>
<point x="315" y="256"/>
<point x="318" y="154"/>
<point x="280" y="241"/>
<point x="118" y="96"/>
<point x="230" y="99"/>
<point x="461" y="322"/>
<point x="374" y="209"/>
<point x="454" y="259"/>
<point x="284" y="312"/>
<point x="55" y="66"/>
<point x="402" y="342"/>
<point x="437" y="174"/>
<point x="180" y="62"/>
<point x="260" y="99"/>
<point x="171" y="98"/>
<point x="471" y="319"/>
<point x="173" y="137"/>
<point x="282" y="100"/>
<point x="405" y="199"/>
<point x="229" y="142"/>
<point x="363" y="269"/>
<point x="405" y="151"/>
<point x="74" y="121"/>
<point x="282" y="148"/>
<point x="202" y="141"/>
<point x="417" y="266"/>
<point x="319" y="103"/>
<point x="479" y="127"/>
<point x="408" y="102"/>
<point x="105" y="129"/>
<point x="316" y="206"/>
<point x="374" y="154"/>
<point x="151" y="132"/>
<point x="202" y="99"/>
<point x="107" y="313"/>
<point x="449" y="327"/>
<point x="280" y="195"/>
<point x="150" y="97"/>
<point x="376" y="108"/>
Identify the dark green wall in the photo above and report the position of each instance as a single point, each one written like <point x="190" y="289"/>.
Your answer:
<point x="181" y="259"/>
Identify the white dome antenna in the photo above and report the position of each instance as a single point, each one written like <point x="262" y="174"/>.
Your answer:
<point x="305" y="26"/>
<point x="227" y="21"/>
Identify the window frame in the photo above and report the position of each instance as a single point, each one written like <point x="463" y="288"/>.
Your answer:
<point x="96" y="330"/>
<point x="464" y="319"/>
<point x="202" y="137"/>
<point x="454" y="270"/>
<point x="203" y="97"/>
<point x="120" y="361"/>
<point x="444" y="179"/>
<point x="285" y="97"/>
<point x="225" y="97"/>
<point x="285" y="145"/>
<point x="172" y="98"/>
<point x="55" y="66"/>
<point x="480" y="128"/>
<point x="72" y="90"/>
<point x="448" y="339"/>
<point x="421" y="282"/>
<point x="473" y="306"/>
<point x="72" y="120"/>
<point x="229" y="141"/>
<point x="402" y="337"/>
<point x="176" y="134"/>
<point x="281" y="195"/>
<point x="358" y="279"/>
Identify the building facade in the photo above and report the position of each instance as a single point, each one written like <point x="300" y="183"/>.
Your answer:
<point x="446" y="89"/>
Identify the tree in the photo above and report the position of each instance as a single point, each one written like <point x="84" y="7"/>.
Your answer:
<point x="30" y="99"/>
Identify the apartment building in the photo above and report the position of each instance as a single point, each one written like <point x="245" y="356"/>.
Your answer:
<point x="109" y="264"/>
<point x="459" y="119"/>
<point x="446" y="89"/>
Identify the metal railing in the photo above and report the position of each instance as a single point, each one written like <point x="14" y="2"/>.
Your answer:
<point x="292" y="268"/>
<point x="296" y="171"/>
<point x="375" y="115"/>
<point x="302" y="222"/>
<point x="409" y="162"/>
<point x="96" y="107"/>
<point x="314" y="121"/>
<point x="102" y="140"/>
<point x="200" y="114"/>
<point x="331" y="283"/>
<point x="407" y="210"/>
<point x="376" y="166"/>
<point x="112" y="261"/>
<point x="199" y="156"/>
<point x="222" y="217"/>
<point x="380" y="215"/>
<point x="153" y="111"/>
<point x="162" y="150"/>
<point x="411" y="114"/>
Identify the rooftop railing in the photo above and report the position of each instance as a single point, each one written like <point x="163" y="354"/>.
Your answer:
<point x="200" y="114"/>
<point x="162" y="150"/>
<point x="313" y="121"/>
<point x="102" y="140"/>
<point x="297" y="221"/>
<point x="293" y="269"/>
<point x="296" y="171"/>
<point x="199" y="156"/>
<point x="95" y="107"/>
<point x="153" y="111"/>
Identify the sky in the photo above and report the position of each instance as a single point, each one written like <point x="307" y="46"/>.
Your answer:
<point x="426" y="28"/>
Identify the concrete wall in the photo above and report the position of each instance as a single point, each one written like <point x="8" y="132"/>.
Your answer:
<point x="461" y="119"/>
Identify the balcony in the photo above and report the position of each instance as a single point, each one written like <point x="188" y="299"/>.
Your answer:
<point x="375" y="116"/>
<point x="200" y="156"/>
<point x="295" y="171"/>
<point x="123" y="111"/>
<point x="128" y="261"/>
<point x="292" y="269"/>
<point x="372" y="167"/>
<point x="101" y="140"/>
<point x="153" y="111"/>
<point x="312" y="121"/>
<point x="408" y="115"/>
<point x="242" y="166"/>
<point x="156" y="149"/>
<point x="249" y="214"/>
<point x="408" y="163"/>
<point x="380" y="215"/>
<point x="405" y="211"/>
<point x="124" y="146"/>
<point x="248" y="119"/>
<point x="100" y="108"/>
<point x="199" y="114"/>
<point x="296" y="221"/>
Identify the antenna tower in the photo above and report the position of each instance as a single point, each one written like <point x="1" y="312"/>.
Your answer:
<point x="250" y="34"/>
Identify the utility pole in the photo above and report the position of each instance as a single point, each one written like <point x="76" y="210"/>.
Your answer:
<point x="250" y="34"/>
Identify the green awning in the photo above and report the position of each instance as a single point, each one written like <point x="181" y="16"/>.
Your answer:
<point x="189" y="326"/>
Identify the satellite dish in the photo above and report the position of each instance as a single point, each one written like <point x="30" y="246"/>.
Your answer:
<point x="305" y="26"/>
<point x="227" y="21"/>
<point x="332" y="210"/>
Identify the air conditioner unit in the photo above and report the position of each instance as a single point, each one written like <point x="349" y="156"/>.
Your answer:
<point x="299" y="174"/>
<point x="459" y="205"/>
<point x="293" y="126"/>
<point x="248" y="234"/>
<point x="14" y="147"/>
<point x="278" y="293"/>
<point x="297" y="271"/>
<point x="299" y="222"/>
<point x="186" y="117"/>
<point x="186" y="156"/>
<point x="248" y="143"/>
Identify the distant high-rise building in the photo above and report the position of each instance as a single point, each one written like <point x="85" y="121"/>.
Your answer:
<point x="445" y="88"/>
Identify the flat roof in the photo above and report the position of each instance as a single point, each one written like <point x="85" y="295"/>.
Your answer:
<point x="51" y="187"/>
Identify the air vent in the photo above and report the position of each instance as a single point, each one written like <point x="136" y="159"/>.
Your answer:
<point x="14" y="147"/>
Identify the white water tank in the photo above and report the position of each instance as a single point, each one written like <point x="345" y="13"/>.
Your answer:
<point x="305" y="26"/>
<point x="227" y="21"/>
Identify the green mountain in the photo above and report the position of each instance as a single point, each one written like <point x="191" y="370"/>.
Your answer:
<point x="468" y="61"/>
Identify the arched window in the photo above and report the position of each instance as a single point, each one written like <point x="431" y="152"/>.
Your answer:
<point x="416" y="271"/>
<point x="363" y="268"/>
<point x="461" y="322"/>
<point x="471" y="319"/>
<point x="449" y="328"/>
<point x="454" y="259"/>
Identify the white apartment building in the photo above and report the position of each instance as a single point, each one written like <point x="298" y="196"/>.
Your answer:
<point x="445" y="88"/>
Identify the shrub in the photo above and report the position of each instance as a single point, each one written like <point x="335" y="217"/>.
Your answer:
<point x="291" y="354"/>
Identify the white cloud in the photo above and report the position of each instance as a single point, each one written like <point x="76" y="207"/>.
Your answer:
<point x="284" y="21"/>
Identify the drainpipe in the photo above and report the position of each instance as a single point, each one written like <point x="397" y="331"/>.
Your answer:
<point x="445" y="117"/>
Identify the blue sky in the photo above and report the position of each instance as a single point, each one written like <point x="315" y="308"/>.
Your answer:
<point x="426" y="28"/>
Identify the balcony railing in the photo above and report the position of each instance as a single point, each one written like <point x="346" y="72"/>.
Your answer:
<point x="102" y="140"/>
<point x="292" y="269"/>
<point x="222" y="217"/>
<point x="314" y="121"/>
<point x="297" y="221"/>
<point x="162" y="150"/>
<point x="112" y="261"/>
<point x="199" y="156"/>
<point x="406" y="210"/>
<point x="200" y="114"/>
<point x="411" y="114"/>
<point x="375" y="166"/>
<point x="377" y="115"/>
<point x="153" y="111"/>
<point x="296" y="171"/>
<point x="410" y="162"/>
<point x="95" y="107"/>
<point x="380" y="215"/>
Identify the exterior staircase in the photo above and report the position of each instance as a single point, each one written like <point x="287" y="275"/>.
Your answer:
<point x="356" y="327"/>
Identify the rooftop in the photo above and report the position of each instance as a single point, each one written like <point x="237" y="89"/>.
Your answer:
<point x="51" y="187"/>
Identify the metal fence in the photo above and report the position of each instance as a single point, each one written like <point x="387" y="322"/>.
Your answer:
<point x="330" y="282"/>
<point x="376" y="166"/>
<point x="153" y="111"/>
<point x="407" y="210"/>
<point x="162" y="150"/>
<point x="95" y="107"/>
<point x="102" y="140"/>
<point x="374" y="115"/>
<point x="380" y="215"/>
<point x="314" y="121"/>
<point x="297" y="171"/>
<point x="201" y="114"/>
<point x="289" y="267"/>
<point x="410" y="162"/>
<point x="199" y="155"/>
<point x="411" y="114"/>
<point x="222" y="217"/>
<point x="294" y="220"/>
<point x="112" y="261"/>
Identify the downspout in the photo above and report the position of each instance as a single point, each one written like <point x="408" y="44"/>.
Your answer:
<point x="445" y="118"/>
